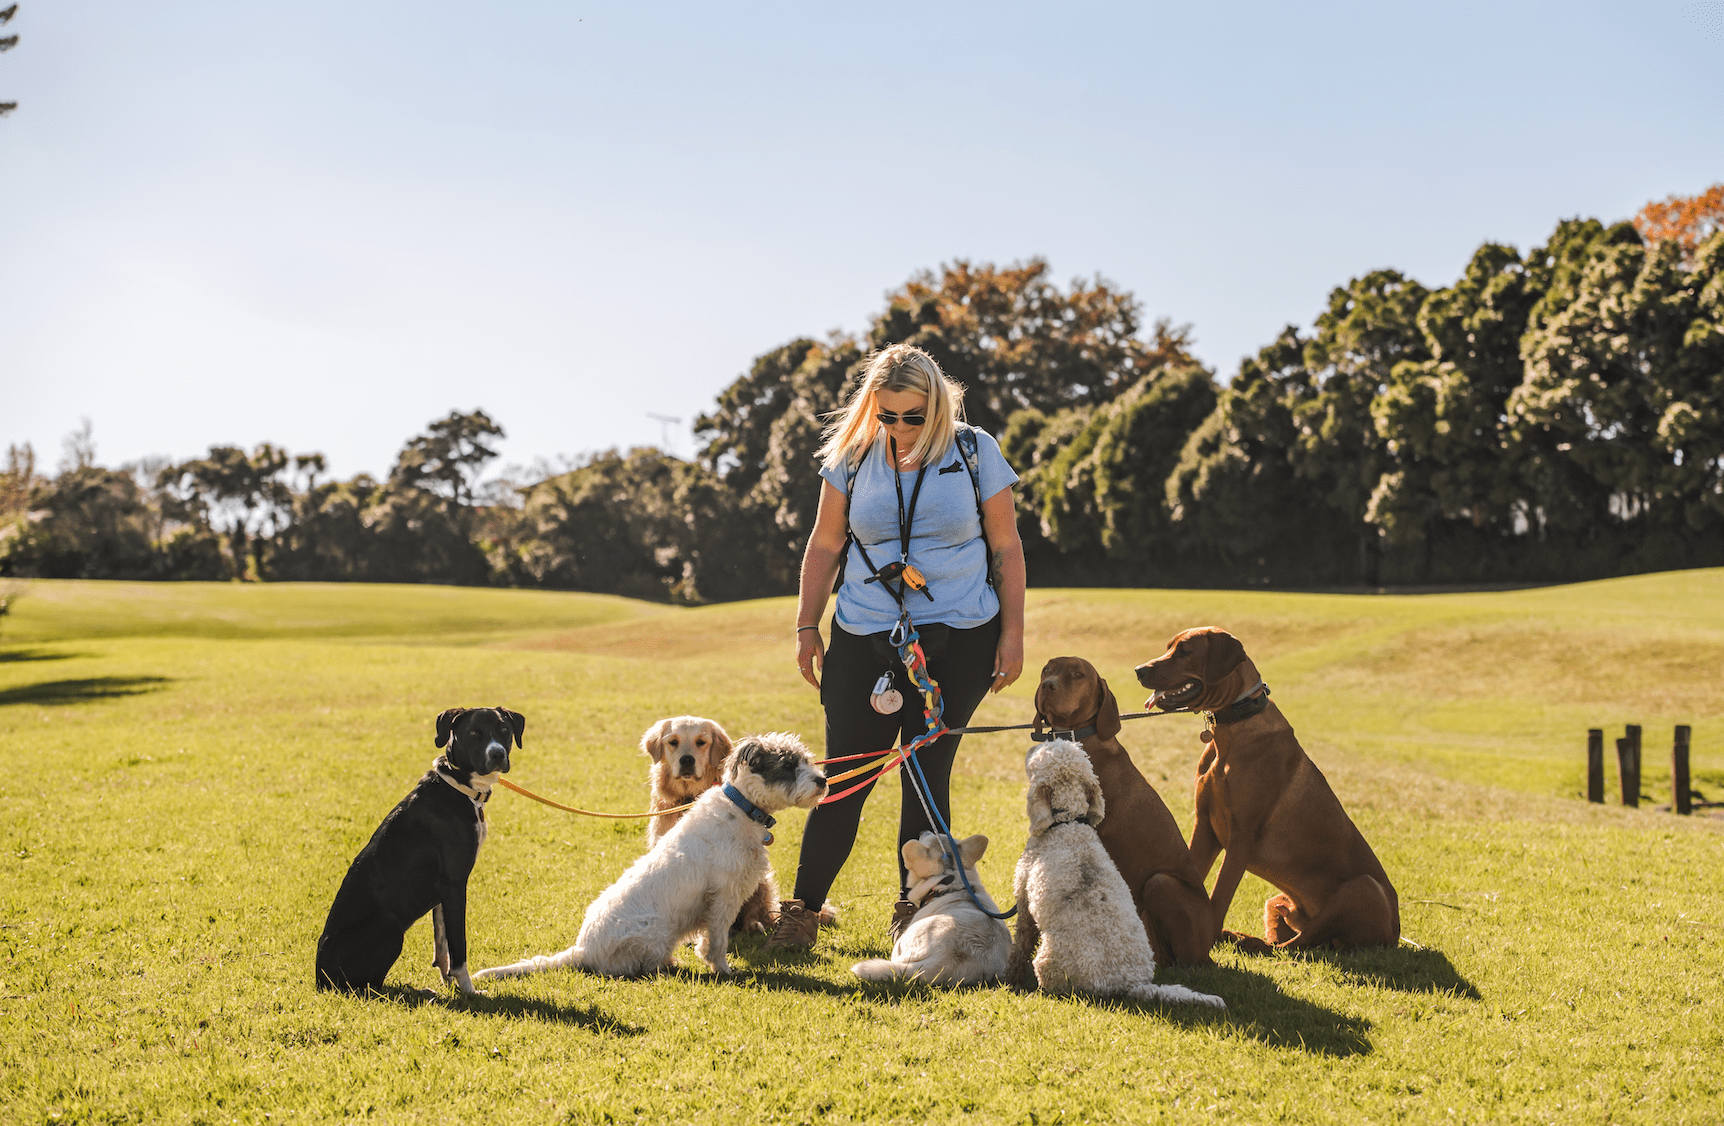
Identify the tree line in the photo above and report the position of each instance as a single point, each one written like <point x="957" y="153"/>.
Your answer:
<point x="1552" y="415"/>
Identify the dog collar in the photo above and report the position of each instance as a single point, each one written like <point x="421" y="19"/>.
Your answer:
<point x="755" y="813"/>
<point x="1245" y="707"/>
<point x="1075" y="734"/>
<point x="936" y="887"/>
<point x="478" y="795"/>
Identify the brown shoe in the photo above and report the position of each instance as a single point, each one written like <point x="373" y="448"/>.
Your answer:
<point x="797" y="926"/>
<point x="902" y="912"/>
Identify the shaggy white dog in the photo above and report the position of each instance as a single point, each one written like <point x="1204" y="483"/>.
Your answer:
<point x="950" y="941"/>
<point x="1073" y="899"/>
<point x="696" y="876"/>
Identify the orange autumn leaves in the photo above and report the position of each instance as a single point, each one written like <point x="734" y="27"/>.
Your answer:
<point x="1686" y="220"/>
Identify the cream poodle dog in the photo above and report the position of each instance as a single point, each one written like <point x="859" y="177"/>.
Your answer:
<point x="950" y="941"/>
<point x="1071" y="897"/>
<point x="696" y="877"/>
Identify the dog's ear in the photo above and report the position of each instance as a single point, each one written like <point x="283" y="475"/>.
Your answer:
<point x="1223" y="654"/>
<point x="516" y="721"/>
<point x="446" y="724"/>
<point x="652" y="741"/>
<point x="1097" y="806"/>
<point x="971" y="849"/>
<point x="1041" y="808"/>
<point x="720" y="748"/>
<point x="1107" y="723"/>
<point x="743" y="751"/>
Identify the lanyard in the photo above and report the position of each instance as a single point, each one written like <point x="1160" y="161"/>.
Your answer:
<point x="905" y="519"/>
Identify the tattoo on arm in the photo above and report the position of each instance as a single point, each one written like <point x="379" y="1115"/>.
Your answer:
<point x="997" y="569"/>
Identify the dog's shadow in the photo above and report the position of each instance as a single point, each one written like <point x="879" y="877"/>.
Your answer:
<point x="589" y="1018"/>
<point x="1403" y="969"/>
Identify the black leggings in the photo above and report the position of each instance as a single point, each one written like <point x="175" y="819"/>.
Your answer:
<point x="961" y="661"/>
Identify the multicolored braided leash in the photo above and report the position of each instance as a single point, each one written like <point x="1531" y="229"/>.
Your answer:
<point x="916" y="664"/>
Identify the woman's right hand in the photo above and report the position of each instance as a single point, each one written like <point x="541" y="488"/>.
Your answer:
<point x="810" y="655"/>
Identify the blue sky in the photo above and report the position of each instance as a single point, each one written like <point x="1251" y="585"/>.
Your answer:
<point x="326" y="224"/>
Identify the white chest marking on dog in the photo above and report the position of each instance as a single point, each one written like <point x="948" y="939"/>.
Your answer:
<point x="478" y="793"/>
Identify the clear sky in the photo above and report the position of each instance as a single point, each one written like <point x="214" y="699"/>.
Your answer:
<point x="326" y="224"/>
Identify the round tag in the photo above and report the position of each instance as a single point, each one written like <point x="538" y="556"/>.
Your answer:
<point x="887" y="702"/>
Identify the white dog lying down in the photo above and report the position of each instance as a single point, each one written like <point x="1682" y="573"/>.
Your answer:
<point x="1071" y="896"/>
<point x="949" y="941"/>
<point x="695" y="877"/>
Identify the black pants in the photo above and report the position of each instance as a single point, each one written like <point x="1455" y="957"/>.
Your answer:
<point x="961" y="661"/>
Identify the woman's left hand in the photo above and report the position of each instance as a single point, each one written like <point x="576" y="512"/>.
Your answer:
<point x="1008" y="661"/>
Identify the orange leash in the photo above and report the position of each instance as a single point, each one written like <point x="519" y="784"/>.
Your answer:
<point x="587" y="812"/>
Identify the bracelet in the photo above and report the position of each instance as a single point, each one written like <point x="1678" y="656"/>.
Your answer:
<point x="799" y="629"/>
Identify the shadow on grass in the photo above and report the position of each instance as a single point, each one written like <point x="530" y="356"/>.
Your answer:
<point x="1409" y="971"/>
<point x="61" y="692"/>
<point x="1257" y="1009"/>
<point x="15" y="656"/>
<point x="587" y="1017"/>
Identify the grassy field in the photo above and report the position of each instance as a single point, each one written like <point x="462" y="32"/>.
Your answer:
<point x="191" y="768"/>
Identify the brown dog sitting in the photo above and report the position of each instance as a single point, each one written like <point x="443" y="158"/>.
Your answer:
<point x="1264" y="801"/>
<point x="1140" y="835"/>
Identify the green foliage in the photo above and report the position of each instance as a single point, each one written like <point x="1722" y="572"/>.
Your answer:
<point x="168" y="867"/>
<point x="88" y="522"/>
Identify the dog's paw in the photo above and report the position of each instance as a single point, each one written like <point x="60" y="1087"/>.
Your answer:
<point x="1247" y="943"/>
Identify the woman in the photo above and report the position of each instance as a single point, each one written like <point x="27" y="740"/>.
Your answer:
<point x="897" y="491"/>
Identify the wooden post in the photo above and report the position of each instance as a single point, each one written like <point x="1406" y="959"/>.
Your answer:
<point x="1629" y="772"/>
<point x="1632" y="731"/>
<point x="1680" y="801"/>
<point x="1595" y="764"/>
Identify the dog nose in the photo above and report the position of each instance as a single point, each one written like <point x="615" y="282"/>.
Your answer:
<point x="686" y="764"/>
<point x="1142" y="672"/>
<point x="496" y="757"/>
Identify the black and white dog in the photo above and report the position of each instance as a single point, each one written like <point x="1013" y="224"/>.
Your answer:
<point x="419" y="859"/>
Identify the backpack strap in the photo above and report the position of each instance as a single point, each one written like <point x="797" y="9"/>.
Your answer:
<point x="967" y="449"/>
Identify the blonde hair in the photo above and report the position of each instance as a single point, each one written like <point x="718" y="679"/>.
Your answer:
<point x="902" y="367"/>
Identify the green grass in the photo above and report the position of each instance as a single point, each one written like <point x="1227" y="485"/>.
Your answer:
<point x="191" y="767"/>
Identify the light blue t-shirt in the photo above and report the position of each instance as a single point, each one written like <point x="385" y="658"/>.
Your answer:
<point x="946" y="542"/>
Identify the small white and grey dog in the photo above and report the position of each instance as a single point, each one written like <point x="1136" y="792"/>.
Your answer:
<point x="950" y="941"/>
<point x="695" y="877"/>
<point x="1071" y="897"/>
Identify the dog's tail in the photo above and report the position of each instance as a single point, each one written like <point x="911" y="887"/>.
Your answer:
<point x="1177" y="995"/>
<point x="880" y="969"/>
<point x="538" y="963"/>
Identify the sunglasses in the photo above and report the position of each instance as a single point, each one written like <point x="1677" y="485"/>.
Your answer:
<point x="891" y="419"/>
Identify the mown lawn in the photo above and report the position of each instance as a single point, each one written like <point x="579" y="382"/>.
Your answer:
<point x="191" y="768"/>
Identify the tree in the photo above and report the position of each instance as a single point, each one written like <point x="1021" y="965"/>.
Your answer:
<point x="1101" y="496"/>
<point x="1620" y="405"/>
<point x="88" y="523"/>
<point x="1371" y="325"/>
<point x="232" y="490"/>
<point x="1687" y="221"/>
<point x="1449" y="464"/>
<point x="641" y="524"/>
<point x="7" y="42"/>
<point x="1016" y="342"/>
<point x="1235" y="496"/>
<point x="449" y="457"/>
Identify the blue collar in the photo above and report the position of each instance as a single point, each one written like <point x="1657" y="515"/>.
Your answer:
<point x="754" y="812"/>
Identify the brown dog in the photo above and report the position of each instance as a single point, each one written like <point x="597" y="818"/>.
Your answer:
<point x="1140" y="835"/>
<point x="1264" y="801"/>
<point x="688" y="755"/>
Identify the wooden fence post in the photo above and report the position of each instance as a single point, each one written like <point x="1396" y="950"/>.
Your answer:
<point x="1628" y="770"/>
<point x="1680" y="801"/>
<point x="1633" y="733"/>
<point x="1595" y="764"/>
